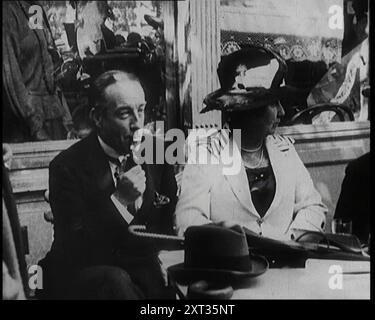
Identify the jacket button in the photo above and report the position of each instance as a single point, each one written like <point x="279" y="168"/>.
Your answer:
<point x="260" y="221"/>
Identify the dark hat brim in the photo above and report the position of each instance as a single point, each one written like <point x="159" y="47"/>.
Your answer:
<point x="184" y="275"/>
<point x="232" y="101"/>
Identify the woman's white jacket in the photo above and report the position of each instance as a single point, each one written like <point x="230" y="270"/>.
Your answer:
<point x="218" y="190"/>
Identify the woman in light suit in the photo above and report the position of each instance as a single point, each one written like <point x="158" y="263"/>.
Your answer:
<point x="271" y="192"/>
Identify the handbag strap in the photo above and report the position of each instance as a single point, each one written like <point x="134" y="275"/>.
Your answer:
<point x="331" y="242"/>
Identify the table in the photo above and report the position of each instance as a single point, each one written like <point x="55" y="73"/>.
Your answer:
<point x="320" y="279"/>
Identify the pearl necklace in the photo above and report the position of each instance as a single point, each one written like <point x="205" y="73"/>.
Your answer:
<point x="253" y="150"/>
<point x="259" y="162"/>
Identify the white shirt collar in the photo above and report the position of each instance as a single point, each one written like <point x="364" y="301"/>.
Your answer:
<point x="109" y="151"/>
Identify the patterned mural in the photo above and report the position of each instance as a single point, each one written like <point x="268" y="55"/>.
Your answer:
<point x="289" y="47"/>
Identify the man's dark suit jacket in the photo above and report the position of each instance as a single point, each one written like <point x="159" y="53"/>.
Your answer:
<point x="88" y="229"/>
<point x="354" y="200"/>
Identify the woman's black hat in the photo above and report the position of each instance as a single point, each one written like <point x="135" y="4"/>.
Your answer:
<point x="250" y="78"/>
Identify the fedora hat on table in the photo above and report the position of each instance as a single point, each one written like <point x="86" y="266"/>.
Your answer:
<point x="217" y="254"/>
<point x="250" y="78"/>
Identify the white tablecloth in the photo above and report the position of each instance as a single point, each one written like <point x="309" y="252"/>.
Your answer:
<point x="321" y="279"/>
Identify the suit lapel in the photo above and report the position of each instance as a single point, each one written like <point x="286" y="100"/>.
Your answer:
<point x="277" y="162"/>
<point x="238" y="182"/>
<point x="99" y="168"/>
<point x="98" y="182"/>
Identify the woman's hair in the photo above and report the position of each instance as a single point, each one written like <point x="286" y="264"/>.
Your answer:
<point x="361" y="8"/>
<point x="237" y="120"/>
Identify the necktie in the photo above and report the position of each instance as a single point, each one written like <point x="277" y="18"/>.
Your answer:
<point x="116" y="161"/>
<point x="126" y="164"/>
<point x="131" y="208"/>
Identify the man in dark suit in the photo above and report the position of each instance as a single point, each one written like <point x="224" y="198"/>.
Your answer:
<point x="354" y="200"/>
<point x="96" y="192"/>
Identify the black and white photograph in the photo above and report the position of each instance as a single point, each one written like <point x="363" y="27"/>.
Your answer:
<point x="203" y="150"/>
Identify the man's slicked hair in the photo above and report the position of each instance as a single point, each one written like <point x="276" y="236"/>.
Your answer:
<point x="97" y="89"/>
